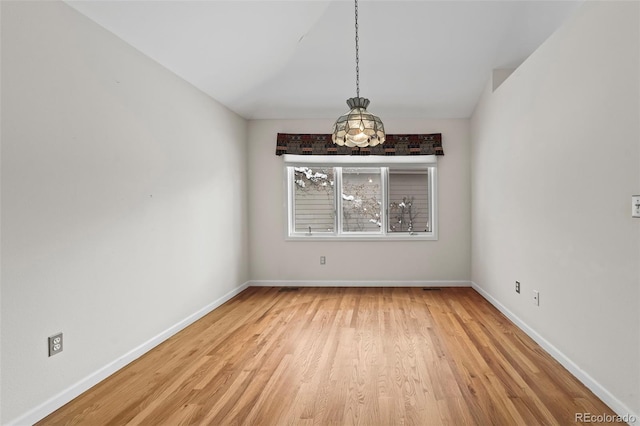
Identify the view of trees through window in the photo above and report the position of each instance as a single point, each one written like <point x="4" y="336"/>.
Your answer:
<point x="372" y="200"/>
<point x="408" y="201"/>
<point x="314" y="204"/>
<point x="361" y="199"/>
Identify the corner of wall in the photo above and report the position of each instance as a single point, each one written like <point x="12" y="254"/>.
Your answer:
<point x="597" y="388"/>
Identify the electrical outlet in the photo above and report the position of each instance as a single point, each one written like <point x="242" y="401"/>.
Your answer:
<point x="55" y="344"/>
<point x="323" y="260"/>
<point x="518" y="287"/>
<point x="536" y="297"/>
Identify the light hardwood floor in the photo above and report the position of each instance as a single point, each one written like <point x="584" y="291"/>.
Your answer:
<point x="338" y="356"/>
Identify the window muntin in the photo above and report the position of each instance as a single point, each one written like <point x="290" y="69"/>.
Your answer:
<point x="360" y="202"/>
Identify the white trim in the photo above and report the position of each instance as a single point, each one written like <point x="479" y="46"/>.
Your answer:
<point x="41" y="411"/>
<point x="49" y="406"/>
<point x="600" y="391"/>
<point x="344" y="283"/>
<point x="362" y="236"/>
<point x="412" y="161"/>
<point x="434" y="203"/>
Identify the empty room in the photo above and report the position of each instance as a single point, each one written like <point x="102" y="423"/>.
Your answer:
<point x="325" y="212"/>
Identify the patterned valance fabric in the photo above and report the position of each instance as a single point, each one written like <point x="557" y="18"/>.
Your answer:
<point x="321" y="144"/>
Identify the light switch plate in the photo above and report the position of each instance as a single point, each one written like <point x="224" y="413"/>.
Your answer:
<point x="635" y="206"/>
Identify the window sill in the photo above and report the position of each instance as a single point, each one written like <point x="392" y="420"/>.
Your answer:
<point x="417" y="237"/>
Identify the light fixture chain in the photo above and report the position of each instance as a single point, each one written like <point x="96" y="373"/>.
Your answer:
<point x="357" y="56"/>
<point x="357" y="128"/>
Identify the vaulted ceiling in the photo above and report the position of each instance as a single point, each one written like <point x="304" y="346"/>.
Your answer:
<point x="296" y="59"/>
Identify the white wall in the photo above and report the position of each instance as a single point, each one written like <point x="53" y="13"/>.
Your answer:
<point x="123" y="200"/>
<point x="273" y="258"/>
<point x="555" y="160"/>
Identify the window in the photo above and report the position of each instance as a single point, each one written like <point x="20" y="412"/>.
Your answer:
<point x="313" y="199"/>
<point x="408" y="201"/>
<point x="360" y="198"/>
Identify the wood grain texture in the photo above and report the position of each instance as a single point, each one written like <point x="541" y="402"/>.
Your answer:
<point x="341" y="356"/>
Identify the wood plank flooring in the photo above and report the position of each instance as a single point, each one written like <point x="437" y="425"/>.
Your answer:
<point x="341" y="356"/>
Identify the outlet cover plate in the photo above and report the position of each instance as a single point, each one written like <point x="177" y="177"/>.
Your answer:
<point x="55" y="344"/>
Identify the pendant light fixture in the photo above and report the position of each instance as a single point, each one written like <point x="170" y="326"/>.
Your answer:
<point x="358" y="127"/>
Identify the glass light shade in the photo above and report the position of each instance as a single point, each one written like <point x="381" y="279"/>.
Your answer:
<point x="358" y="127"/>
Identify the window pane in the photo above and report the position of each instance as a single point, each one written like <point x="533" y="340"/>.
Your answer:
<point x="361" y="200"/>
<point x="408" y="201"/>
<point x="313" y="199"/>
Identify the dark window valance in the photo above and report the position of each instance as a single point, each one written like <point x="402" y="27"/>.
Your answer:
<point x="321" y="144"/>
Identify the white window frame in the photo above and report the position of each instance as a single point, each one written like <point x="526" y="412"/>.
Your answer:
<point x="425" y="162"/>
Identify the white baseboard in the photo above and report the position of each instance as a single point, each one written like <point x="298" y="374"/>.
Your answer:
<point x="75" y="390"/>
<point x="336" y="283"/>
<point x="600" y="391"/>
<point x="52" y="404"/>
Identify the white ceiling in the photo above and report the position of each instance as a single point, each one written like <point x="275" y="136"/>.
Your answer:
<point x="296" y="59"/>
